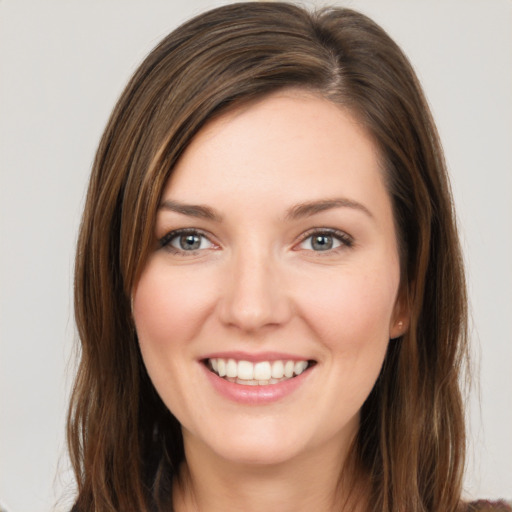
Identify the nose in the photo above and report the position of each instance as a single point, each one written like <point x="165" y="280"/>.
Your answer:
<point x="254" y="294"/>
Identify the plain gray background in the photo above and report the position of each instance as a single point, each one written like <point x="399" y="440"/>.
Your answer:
<point x="63" y="65"/>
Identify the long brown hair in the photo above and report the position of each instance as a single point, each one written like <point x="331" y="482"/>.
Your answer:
<point x="125" y="445"/>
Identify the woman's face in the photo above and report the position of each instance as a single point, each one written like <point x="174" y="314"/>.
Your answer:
<point x="265" y="311"/>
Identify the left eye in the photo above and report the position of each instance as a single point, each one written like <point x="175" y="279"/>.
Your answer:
<point x="186" y="241"/>
<point x="325" y="241"/>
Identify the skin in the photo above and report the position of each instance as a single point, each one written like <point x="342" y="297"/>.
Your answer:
<point x="257" y="284"/>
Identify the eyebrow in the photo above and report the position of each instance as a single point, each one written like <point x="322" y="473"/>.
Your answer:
<point x="313" y="207"/>
<point x="297" y="211"/>
<point x="192" y="210"/>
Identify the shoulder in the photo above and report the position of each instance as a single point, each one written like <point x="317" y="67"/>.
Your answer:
<point x="488" y="506"/>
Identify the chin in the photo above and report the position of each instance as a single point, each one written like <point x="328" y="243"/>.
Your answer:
<point x="242" y="446"/>
<point x="259" y="454"/>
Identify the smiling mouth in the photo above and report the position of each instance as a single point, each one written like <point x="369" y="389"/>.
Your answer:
<point x="262" y="373"/>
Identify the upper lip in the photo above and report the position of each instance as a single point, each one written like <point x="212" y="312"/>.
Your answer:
<point x="256" y="357"/>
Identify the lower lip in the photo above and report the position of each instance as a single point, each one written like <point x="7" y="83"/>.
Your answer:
<point x="255" y="395"/>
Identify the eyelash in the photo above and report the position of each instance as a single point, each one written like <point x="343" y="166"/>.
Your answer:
<point x="346" y="240"/>
<point x="165" y="241"/>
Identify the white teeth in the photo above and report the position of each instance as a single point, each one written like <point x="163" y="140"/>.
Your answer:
<point x="231" y="368"/>
<point x="262" y="371"/>
<point x="245" y="370"/>
<point x="277" y="370"/>
<point x="247" y="382"/>
<point x="299" y="367"/>
<point x="253" y="374"/>
<point x="288" y="369"/>
<point x="221" y="367"/>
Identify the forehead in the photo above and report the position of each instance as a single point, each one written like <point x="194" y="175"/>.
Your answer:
<point x="292" y="141"/>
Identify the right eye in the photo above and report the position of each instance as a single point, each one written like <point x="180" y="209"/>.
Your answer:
<point x="185" y="241"/>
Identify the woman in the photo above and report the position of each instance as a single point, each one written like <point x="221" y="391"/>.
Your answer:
<point x="269" y="289"/>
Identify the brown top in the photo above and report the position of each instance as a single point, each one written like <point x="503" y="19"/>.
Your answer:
<point x="474" y="506"/>
<point x="488" y="506"/>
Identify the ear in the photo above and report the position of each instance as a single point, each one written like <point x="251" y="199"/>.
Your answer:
<point x="400" y="318"/>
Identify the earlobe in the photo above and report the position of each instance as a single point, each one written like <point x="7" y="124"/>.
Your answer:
<point x="400" y="319"/>
<point x="398" y="328"/>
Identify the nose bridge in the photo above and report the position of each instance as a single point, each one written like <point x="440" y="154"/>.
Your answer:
<point x="254" y="295"/>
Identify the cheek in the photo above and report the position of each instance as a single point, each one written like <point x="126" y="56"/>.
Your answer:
<point x="350" y="310"/>
<point x="351" y="318"/>
<point x="168" y="306"/>
<point x="169" y="311"/>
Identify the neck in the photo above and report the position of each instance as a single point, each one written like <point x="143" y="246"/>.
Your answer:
<point x="314" y="481"/>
